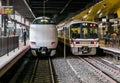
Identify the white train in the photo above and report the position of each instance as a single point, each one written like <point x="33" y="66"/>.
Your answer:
<point x="80" y="36"/>
<point x="43" y="36"/>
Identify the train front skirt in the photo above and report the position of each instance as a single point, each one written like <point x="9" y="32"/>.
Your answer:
<point x="84" y="50"/>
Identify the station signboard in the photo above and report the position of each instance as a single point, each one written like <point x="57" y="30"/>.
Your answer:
<point x="6" y="9"/>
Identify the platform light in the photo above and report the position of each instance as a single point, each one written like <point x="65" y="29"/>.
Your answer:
<point x="104" y="20"/>
<point x="100" y="15"/>
<point x="98" y="12"/>
<point x="85" y="16"/>
<point x="90" y="9"/>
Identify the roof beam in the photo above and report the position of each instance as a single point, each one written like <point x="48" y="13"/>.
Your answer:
<point x="29" y="8"/>
<point x="65" y="6"/>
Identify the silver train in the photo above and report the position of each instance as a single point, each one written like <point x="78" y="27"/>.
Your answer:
<point x="43" y="36"/>
<point x="80" y="36"/>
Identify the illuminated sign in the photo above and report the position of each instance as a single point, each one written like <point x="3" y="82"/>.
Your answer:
<point x="6" y="9"/>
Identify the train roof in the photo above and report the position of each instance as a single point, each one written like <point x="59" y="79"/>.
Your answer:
<point x="74" y="21"/>
<point x="42" y="17"/>
<point x="43" y="20"/>
<point x="79" y="21"/>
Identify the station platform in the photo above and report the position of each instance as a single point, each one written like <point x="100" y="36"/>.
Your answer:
<point x="112" y="48"/>
<point x="8" y="60"/>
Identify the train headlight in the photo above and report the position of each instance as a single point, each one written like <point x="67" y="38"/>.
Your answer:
<point x="93" y="42"/>
<point x="74" y="43"/>
<point x="33" y="43"/>
<point x="53" y="43"/>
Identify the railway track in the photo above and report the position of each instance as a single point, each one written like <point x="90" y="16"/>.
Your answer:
<point x="43" y="72"/>
<point x="110" y="74"/>
<point x="33" y="70"/>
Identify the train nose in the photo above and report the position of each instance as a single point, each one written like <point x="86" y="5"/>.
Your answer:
<point x="85" y="49"/>
<point x="33" y="43"/>
<point x="43" y="50"/>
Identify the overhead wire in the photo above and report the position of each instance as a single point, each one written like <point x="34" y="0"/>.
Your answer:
<point x="44" y="2"/>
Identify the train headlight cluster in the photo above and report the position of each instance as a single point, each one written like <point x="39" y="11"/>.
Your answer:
<point x="94" y="42"/>
<point x="85" y="49"/>
<point x="85" y="24"/>
<point x="53" y="43"/>
<point x="92" y="25"/>
<point x="74" y="43"/>
<point x="33" y="43"/>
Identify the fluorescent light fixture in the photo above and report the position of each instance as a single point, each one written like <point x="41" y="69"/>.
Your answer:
<point x="85" y="16"/>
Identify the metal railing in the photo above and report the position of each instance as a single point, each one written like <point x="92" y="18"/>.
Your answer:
<point x="8" y="44"/>
<point x="113" y="42"/>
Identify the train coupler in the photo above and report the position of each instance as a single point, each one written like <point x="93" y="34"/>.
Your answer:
<point x="43" y="50"/>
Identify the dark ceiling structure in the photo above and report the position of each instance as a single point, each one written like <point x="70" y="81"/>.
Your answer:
<point x="56" y="9"/>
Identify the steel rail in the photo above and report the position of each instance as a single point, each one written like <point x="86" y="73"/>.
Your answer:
<point x="98" y="70"/>
<point x="51" y="71"/>
<point x="34" y="70"/>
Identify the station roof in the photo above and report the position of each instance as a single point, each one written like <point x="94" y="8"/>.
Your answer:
<point x="103" y="9"/>
<point x="63" y="9"/>
<point x="57" y="9"/>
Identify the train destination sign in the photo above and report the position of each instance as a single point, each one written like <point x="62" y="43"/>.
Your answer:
<point x="6" y="9"/>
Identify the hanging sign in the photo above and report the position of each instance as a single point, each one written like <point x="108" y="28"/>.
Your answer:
<point x="6" y="9"/>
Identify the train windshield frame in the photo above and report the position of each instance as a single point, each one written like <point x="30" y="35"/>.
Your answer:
<point x="84" y="30"/>
<point x="44" y="21"/>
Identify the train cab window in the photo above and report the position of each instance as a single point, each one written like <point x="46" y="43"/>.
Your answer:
<point x="84" y="33"/>
<point x="75" y="31"/>
<point x="83" y="30"/>
<point x="93" y="32"/>
<point x="43" y="21"/>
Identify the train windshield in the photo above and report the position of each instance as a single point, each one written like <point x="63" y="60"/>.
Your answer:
<point x="84" y="30"/>
<point x="43" y="21"/>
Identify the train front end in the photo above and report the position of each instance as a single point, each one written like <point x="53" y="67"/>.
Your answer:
<point x="43" y="39"/>
<point x="84" y="38"/>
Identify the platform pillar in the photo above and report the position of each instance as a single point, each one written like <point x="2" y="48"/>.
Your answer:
<point x="0" y="20"/>
<point x="118" y="13"/>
